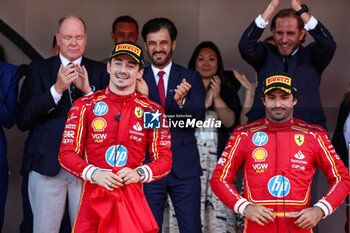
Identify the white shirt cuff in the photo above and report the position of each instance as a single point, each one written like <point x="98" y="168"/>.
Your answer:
<point x="91" y="92"/>
<point x="325" y="206"/>
<point x="241" y="205"/>
<point x="88" y="171"/>
<point x="148" y="174"/>
<point x="311" y="24"/>
<point x="260" y="22"/>
<point x="56" y="97"/>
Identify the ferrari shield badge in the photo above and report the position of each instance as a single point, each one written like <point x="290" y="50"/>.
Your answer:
<point x="299" y="139"/>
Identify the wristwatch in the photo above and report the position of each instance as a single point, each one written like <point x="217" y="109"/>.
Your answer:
<point x="303" y="9"/>
<point x="141" y="172"/>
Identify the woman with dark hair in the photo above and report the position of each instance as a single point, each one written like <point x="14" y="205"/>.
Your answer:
<point x="222" y="103"/>
<point x="221" y="100"/>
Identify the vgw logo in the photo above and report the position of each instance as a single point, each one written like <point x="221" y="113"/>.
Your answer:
<point x="279" y="186"/>
<point x="151" y="120"/>
<point x="121" y="157"/>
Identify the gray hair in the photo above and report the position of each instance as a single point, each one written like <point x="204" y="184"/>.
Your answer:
<point x="62" y="19"/>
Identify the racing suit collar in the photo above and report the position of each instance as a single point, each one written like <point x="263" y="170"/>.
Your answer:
<point x="120" y="98"/>
<point x="273" y="127"/>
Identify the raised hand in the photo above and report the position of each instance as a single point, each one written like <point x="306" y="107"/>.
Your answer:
<point x="82" y="79"/>
<point x="296" y="4"/>
<point x="65" y="76"/>
<point x="181" y="91"/>
<point x="215" y="85"/>
<point x="209" y="98"/>
<point x="270" y="9"/>
<point x="248" y="86"/>
<point x="141" y="87"/>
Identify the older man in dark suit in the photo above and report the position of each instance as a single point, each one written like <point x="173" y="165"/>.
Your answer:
<point x="181" y="92"/>
<point x="52" y="86"/>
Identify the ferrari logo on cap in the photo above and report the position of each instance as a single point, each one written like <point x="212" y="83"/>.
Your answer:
<point x="299" y="139"/>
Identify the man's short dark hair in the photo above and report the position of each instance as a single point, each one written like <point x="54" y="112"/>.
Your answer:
<point x="61" y="20"/>
<point x="284" y="13"/>
<point x="156" y="24"/>
<point x="124" y="19"/>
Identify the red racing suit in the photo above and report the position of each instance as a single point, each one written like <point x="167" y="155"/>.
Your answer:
<point x="278" y="162"/>
<point x="106" y="130"/>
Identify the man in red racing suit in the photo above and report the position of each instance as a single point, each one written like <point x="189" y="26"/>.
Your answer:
<point x="106" y="130"/>
<point x="278" y="160"/>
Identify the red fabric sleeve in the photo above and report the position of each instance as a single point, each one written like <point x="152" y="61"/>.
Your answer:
<point x="159" y="142"/>
<point x="225" y="172"/>
<point x="337" y="175"/>
<point x="73" y="142"/>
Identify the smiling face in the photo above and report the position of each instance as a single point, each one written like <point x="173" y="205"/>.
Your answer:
<point x="123" y="72"/>
<point x="71" y="38"/>
<point x="286" y="35"/>
<point x="279" y="105"/>
<point x="207" y="63"/>
<point x="160" y="47"/>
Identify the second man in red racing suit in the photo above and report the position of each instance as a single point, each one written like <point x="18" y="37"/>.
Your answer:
<point x="278" y="161"/>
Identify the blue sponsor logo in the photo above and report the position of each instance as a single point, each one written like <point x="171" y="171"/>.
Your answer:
<point x="100" y="109"/>
<point x="120" y="159"/>
<point x="151" y="120"/>
<point x="279" y="186"/>
<point x="260" y="138"/>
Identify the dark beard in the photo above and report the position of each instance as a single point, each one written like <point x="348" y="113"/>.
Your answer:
<point x="160" y="64"/>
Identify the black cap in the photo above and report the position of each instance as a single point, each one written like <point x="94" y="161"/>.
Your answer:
<point x="128" y="48"/>
<point x="280" y="81"/>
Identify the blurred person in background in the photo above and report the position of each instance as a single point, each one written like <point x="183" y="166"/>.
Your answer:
<point x="341" y="137"/>
<point x="8" y="103"/>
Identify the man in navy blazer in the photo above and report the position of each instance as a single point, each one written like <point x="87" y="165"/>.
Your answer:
<point x="181" y="92"/>
<point x="49" y="91"/>
<point x="305" y="64"/>
<point x="8" y="102"/>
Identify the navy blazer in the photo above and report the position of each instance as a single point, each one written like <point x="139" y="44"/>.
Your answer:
<point x="338" y="139"/>
<point x="8" y="102"/>
<point x="186" y="163"/>
<point x="306" y="67"/>
<point x="39" y="113"/>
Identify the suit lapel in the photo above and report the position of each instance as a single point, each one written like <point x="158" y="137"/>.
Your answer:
<point x="55" y="66"/>
<point x="84" y="62"/>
